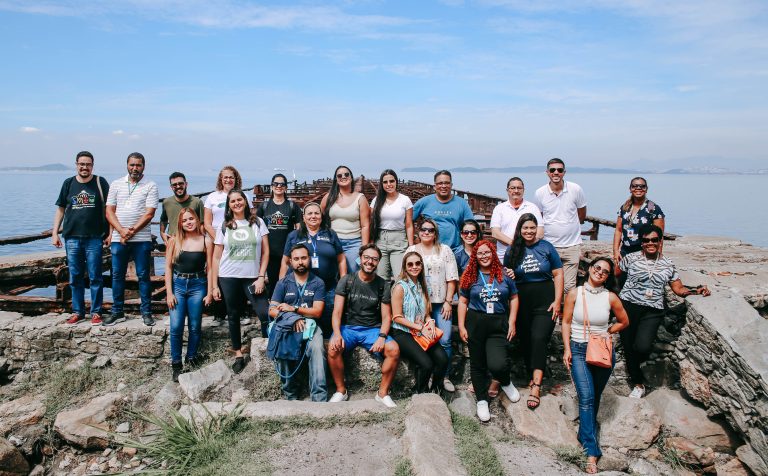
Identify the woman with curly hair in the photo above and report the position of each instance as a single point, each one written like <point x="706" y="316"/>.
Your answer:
<point x="487" y="315"/>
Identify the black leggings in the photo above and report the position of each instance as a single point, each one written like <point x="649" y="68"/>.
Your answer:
<point x="637" y="339"/>
<point x="235" y="291"/>
<point x="487" y="350"/>
<point x="273" y="271"/>
<point x="430" y="363"/>
<point x="534" y="322"/>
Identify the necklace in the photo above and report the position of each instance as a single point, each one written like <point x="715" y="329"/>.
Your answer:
<point x="592" y="290"/>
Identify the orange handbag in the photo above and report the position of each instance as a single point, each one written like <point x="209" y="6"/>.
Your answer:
<point x="599" y="346"/>
<point x="422" y="340"/>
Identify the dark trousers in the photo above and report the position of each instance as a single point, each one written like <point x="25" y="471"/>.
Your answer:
<point x="637" y="339"/>
<point x="534" y="322"/>
<point x="218" y="308"/>
<point x="235" y="291"/>
<point x="487" y="350"/>
<point x="430" y="363"/>
<point x="273" y="271"/>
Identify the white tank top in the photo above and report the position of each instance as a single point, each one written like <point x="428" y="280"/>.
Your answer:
<point x="599" y="313"/>
<point x="345" y="221"/>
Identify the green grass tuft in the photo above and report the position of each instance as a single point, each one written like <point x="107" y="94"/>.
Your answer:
<point x="571" y="455"/>
<point x="475" y="448"/>
<point x="65" y="385"/>
<point x="403" y="467"/>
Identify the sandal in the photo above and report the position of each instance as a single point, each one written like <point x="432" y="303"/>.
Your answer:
<point x="591" y="467"/>
<point x="533" y="400"/>
<point x="493" y="389"/>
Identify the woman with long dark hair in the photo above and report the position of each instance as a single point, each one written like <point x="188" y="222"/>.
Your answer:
<point x="411" y="312"/>
<point x="487" y="313"/>
<point x="470" y="233"/>
<point x="391" y="224"/>
<point x="637" y="212"/>
<point x="240" y="261"/>
<point x="587" y="311"/>
<point x="188" y="284"/>
<point x="348" y="214"/>
<point x="538" y="274"/>
<point x="282" y="216"/>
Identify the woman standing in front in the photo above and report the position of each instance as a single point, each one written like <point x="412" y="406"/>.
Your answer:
<point x="348" y="214"/>
<point x="442" y="275"/>
<point x="240" y="261"/>
<point x="538" y="273"/>
<point x="411" y="312"/>
<point x="637" y="212"/>
<point x="188" y="285"/>
<point x="487" y="313"/>
<point x="391" y="224"/>
<point x="470" y="233"/>
<point x="587" y="311"/>
<point x="643" y="298"/>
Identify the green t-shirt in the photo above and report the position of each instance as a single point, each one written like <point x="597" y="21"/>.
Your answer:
<point x="172" y="208"/>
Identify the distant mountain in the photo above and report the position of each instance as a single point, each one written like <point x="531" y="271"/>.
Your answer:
<point x="39" y="168"/>
<point x="526" y="169"/>
<point x="690" y="166"/>
<point x="713" y="165"/>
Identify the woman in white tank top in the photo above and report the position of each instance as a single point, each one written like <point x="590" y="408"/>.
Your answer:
<point x="590" y="380"/>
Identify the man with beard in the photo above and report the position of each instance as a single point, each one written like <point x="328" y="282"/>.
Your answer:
<point x="172" y="206"/>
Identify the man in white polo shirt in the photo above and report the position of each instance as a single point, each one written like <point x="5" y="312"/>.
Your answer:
<point x="131" y="204"/>
<point x="564" y="208"/>
<point x="506" y="214"/>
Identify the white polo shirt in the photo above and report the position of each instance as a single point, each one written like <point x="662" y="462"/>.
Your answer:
<point x="505" y="218"/>
<point x="131" y="202"/>
<point x="561" y="218"/>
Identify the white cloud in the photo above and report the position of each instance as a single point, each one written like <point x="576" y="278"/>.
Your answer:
<point x="118" y="132"/>
<point x="29" y="130"/>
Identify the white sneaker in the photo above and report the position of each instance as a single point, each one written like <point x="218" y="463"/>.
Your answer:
<point x="511" y="392"/>
<point x="482" y="411"/>
<point x="386" y="400"/>
<point x="448" y="385"/>
<point x="339" y="397"/>
<point x="245" y="321"/>
<point x="637" y="392"/>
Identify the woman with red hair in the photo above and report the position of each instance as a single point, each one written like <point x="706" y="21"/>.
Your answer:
<point x="487" y="315"/>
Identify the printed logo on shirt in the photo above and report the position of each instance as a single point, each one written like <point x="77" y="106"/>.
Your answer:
<point x="276" y="221"/>
<point x="488" y="295"/>
<point x="530" y="264"/>
<point x="290" y="296"/>
<point x="83" y="200"/>
<point x="241" y="244"/>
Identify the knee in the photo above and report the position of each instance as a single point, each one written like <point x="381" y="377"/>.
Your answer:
<point x="392" y="350"/>
<point x="498" y="367"/>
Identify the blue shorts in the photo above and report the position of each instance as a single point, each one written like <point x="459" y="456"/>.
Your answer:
<point x="360" y="335"/>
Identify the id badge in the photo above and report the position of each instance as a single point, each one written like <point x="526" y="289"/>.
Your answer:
<point x="315" y="262"/>
<point x="489" y="308"/>
<point x="649" y="293"/>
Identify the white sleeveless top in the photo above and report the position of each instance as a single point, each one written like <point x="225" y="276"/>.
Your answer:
<point x="345" y="221"/>
<point x="599" y="313"/>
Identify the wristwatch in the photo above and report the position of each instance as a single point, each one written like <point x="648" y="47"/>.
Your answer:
<point x="296" y="309"/>
<point x="382" y="335"/>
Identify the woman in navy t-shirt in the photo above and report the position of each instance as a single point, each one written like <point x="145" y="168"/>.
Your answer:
<point x="538" y="273"/>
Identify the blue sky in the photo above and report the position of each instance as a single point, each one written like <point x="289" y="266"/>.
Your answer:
<point x="376" y="83"/>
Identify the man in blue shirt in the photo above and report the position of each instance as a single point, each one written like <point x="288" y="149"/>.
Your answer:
<point x="302" y="293"/>
<point x="448" y="210"/>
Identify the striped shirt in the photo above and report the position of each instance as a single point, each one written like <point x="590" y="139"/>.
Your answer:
<point x="131" y="202"/>
<point x="646" y="279"/>
<point x="414" y="308"/>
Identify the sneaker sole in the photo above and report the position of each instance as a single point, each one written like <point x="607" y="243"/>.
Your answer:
<point x="122" y="319"/>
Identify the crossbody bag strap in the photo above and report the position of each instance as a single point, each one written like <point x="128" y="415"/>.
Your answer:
<point x="585" y="312"/>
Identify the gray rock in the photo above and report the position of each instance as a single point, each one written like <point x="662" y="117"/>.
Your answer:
<point x="123" y="427"/>
<point x="464" y="403"/>
<point x="732" y="467"/>
<point x="627" y="422"/>
<point x="101" y="361"/>
<point x="644" y="468"/>
<point x="547" y="423"/>
<point x="200" y="383"/>
<point x="695" y="383"/>
<point x="11" y="459"/>
<point x="86" y="426"/>
<point x="167" y="398"/>
<point x="428" y="437"/>
<point x="285" y="409"/>
<point x="752" y="460"/>
<point x="613" y="460"/>
<point x="689" y="452"/>
<point x="23" y="411"/>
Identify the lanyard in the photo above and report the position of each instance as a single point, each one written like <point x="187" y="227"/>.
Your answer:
<point x="301" y="290"/>
<point x="312" y="242"/>
<point x="631" y="215"/>
<point x="651" y="270"/>
<point x="131" y="190"/>
<point x="487" y="286"/>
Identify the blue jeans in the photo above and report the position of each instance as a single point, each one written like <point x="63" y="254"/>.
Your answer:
<point x="316" y="361"/>
<point x="352" y="252"/>
<point x="590" y="382"/>
<point x="121" y="254"/>
<point x="445" y="325"/>
<point x="189" y="294"/>
<point x="85" y="253"/>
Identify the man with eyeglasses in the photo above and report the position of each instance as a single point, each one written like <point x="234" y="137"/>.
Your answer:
<point x="563" y="206"/>
<point x="80" y="206"/>
<point x="362" y="315"/>
<point x="448" y="210"/>
<point x="172" y="206"/>
<point x="506" y="214"/>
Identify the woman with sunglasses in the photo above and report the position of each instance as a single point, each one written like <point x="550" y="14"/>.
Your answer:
<point x="240" y="260"/>
<point x="538" y="273"/>
<point x="648" y="271"/>
<point x="441" y="275"/>
<point x="348" y="214"/>
<point x="487" y="313"/>
<point x="282" y="216"/>
<point x="327" y="259"/>
<point x="470" y="232"/>
<point x="411" y="312"/>
<point x="391" y="224"/>
<point x="634" y="214"/>
<point x="596" y="296"/>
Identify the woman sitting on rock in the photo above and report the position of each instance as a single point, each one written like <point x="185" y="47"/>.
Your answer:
<point x="648" y="271"/>
<point x="587" y="311"/>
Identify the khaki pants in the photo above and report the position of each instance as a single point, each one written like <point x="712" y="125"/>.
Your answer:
<point x="570" y="256"/>
<point x="392" y="245"/>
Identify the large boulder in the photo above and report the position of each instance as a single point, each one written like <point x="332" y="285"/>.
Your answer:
<point x="166" y="399"/>
<point x="547" y="423"/>
<point x="201" y="383"/>
<point x="11" y="460"/>
<point x="752" y="460"/>
<point x="87" y="426"/>
<point x="627" y="422"/>
<point x="23" y="411"/>
<point x="689" y="452"/>
<point x="428" y="437"/>
<point x="695" y="383"/>
<point x="733" y="467"/>
<point x="464" y="403"/>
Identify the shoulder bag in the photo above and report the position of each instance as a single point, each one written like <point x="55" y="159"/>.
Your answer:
<point x="599" y="346"/>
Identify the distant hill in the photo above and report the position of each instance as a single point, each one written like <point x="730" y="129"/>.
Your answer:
<point x="39" y="168"/>
<point x="649" y="169"/>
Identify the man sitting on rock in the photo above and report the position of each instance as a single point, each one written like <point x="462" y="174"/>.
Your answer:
<point x="362" y="316"/>
<point x="300" y="296"/>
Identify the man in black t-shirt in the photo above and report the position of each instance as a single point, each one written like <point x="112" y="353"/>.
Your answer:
<point x="85" y="229"/>
<point x="362" y="316"/>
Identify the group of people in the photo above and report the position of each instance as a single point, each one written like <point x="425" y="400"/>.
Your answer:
<point x="381" y="275"/>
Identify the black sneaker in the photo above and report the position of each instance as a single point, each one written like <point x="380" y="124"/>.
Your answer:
<point x="148" y="320"/>
<point x="176" y="369"/>
<point x="239" y="365"/>
<point x="195" y="362"/>
<point x="113" y="319"/>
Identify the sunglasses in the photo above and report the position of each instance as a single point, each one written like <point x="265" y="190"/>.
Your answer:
<point x="556" y="169"/>
<point x="650" y="240"/>
<point x="638" y="186"/>
<point x="426" y="230"/>
<point x="469" y="232"/>
<point x="413" y="264"/>
<point x="279" y="184"/>
<point x="601" y="270"/>
<point x="177" y="185"/>
<point x="342" y="175"/>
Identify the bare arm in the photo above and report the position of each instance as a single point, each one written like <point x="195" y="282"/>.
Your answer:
<point x="682" y="291"/>
<point x="514" y="304"/>
<point x="559" y="279"/>
<point x="208" y="223"/>
<point x="218" y="250"/>
<point x="397" y="309"/>
<point x="462" y="311"/>
<point x="170" y="298"/>
<point x="622" y="320"/>
<point x="57" y="218"/>
<point x="565" y="325"/>
<point x="502" y="237"/>
<point x="323" y="203"/>
<point x="617" y="233"/>
<point x="409" y="225"/>
<point x="341" y="259"/>
<point x="365" y="220"/>
<point x="582" y="214"/>
<point x="111" y="211"/>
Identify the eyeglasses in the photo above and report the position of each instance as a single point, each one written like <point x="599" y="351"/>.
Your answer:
<point x="639" y="186"/>
<point x="469" y="232"/>
<point x="427" y="230"/>
<point x="342" y="175"/>
<point x="85" y="165"/>
<point x="556" y="169"/>
<point x="519" y="188"/>
<point x="484" y="254"/>
<point x="374" y="259"/>
<point x="279" y="184"/>
<point x="177" y="185"/>
<point x="442" y="184"/>
<point x="649" y="240"/>
<point x="601" y="270"/>
<point x="413" y="264"/>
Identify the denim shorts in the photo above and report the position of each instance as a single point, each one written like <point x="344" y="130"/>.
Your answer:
<point x="360" y="335"/>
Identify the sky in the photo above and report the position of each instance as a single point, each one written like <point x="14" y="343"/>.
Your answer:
<point x="377" y="84"/>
